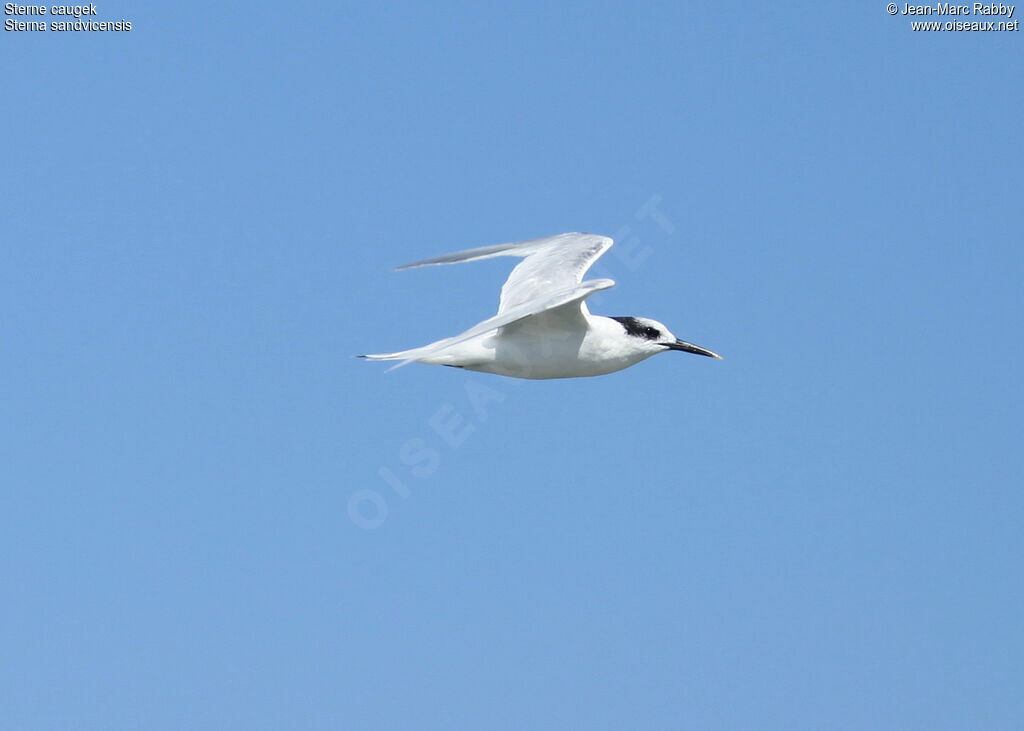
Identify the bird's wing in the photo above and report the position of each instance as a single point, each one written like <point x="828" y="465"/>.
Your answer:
<point x="542" y="303"/>
<point x="549" y="265"/>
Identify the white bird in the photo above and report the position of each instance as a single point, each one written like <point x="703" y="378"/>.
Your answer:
<point x="543" y="328"/>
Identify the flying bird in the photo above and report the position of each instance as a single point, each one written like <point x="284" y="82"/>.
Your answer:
<point x="543" y="328"/>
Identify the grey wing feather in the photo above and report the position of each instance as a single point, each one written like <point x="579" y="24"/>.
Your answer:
<point x="549" y="264"/>
<point x="484" y="252"/>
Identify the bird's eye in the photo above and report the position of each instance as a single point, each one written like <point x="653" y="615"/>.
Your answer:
<point x="651" y="334"/>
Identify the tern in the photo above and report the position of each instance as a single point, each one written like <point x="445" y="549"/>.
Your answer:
<point x="543" y="328"/>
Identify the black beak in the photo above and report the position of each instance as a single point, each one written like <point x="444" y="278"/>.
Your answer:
<point x="691" y="348"/>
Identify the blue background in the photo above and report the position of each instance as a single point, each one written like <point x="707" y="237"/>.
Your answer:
<point x="822" y="530"/>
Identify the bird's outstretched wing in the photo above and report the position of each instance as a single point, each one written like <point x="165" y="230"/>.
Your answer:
<point x="575" y="293"/>
<point x="549" y="265"/>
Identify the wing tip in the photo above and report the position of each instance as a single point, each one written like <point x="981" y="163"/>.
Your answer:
<point x="509" y="249"/>
<point x="603" y="283"/>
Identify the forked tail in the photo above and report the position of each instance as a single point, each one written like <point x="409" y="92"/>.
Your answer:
<point x="405" y="356"/>
<point x="400" y="355"/>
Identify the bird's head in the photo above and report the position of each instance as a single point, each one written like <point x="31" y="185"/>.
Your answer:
<point x="652" y="337"/>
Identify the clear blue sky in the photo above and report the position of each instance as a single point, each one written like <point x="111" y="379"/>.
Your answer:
<point x="822" y="531"/>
